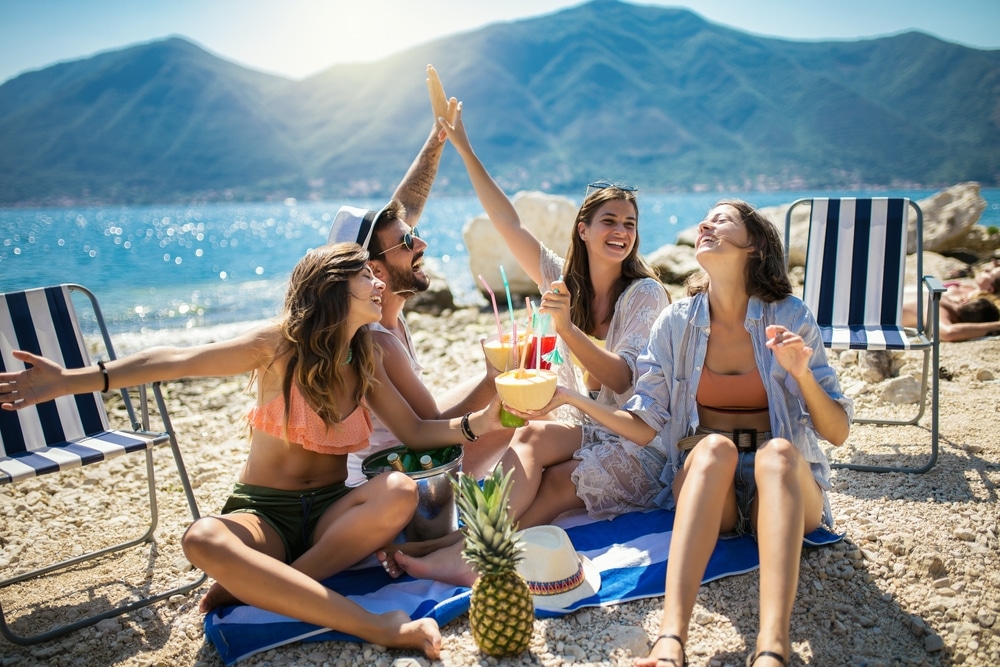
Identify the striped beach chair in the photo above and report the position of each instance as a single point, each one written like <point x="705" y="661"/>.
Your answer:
<point x="855" y="272"/>
<point x="73" y="431"/>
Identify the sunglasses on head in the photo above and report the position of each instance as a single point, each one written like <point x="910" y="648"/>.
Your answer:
<point x="602" y="184"/>
<point x="407" y="241"/>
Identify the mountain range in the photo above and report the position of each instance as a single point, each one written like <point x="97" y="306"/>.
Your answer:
<point x="654" y="96"/>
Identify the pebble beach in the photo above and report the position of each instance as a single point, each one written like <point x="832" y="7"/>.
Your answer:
<point x="915" y="581"/>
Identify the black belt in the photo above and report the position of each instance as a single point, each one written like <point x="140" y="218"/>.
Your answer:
<point x="749" y="439"/>
<point x="745" y="439"/>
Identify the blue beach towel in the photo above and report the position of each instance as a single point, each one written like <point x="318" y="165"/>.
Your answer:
<point x="630" y="551"/>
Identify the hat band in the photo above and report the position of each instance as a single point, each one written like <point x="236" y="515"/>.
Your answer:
<point x="558" y="587"/>
<point x="366" y="227"/>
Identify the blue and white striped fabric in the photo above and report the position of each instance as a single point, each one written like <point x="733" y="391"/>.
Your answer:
<point x="630" y="551"/>
<point x="855" y="266"/>
<point x="70" y="431"/>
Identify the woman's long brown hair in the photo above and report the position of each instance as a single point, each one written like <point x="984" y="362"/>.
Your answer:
<point x="315" y="336"/>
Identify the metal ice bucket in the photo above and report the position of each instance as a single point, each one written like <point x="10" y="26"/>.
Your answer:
<point x="437" y="514"/>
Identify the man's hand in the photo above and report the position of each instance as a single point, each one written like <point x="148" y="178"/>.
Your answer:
<point x="440" y="104"/>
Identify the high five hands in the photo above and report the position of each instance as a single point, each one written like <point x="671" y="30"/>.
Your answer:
<point x="440" y="104"/>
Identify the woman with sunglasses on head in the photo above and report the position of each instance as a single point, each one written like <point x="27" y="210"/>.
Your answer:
<point x="602" y="297"/>
<point x="736" y="380"/>
<point x="602" y="309"/>
<point x="291" y="521"/>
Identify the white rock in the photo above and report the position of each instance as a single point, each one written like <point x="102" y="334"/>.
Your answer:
<point x="674" y="263"/>
<point x="549" y="217"/>
<point x="901" y="390"/>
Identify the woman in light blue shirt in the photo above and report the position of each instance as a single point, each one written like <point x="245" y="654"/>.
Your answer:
<point x="736" y="387"/>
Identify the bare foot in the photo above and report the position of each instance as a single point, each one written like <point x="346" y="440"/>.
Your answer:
<point x="387" y="554"/>
<point x="388" y="560"/>
<point x="216" y="597"/>
<point x="666" y="651"/>
<point x="422" y="634"/>
<point x="445" y="565"/>
<point x="424" y="547"/>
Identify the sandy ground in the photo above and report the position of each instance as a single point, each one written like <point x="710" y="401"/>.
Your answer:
<point x="915" y="582"/>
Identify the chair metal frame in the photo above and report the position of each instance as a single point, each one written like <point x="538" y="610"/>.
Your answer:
<point x="925" y="338"/>
<point x="139" y="427"/>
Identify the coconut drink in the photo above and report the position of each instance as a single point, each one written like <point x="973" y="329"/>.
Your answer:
<point x="526" y="389"/>
<point x="501" y="354"/>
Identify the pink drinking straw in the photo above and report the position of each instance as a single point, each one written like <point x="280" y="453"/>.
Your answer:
<point x="513" y="346"/>
<point x="496" y="311"/>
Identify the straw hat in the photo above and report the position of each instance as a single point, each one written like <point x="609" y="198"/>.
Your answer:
<point x="355" y="225"/>
<point x="557" y="575"/>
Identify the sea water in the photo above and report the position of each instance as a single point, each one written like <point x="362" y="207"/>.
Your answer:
<point x="182" y="272"/>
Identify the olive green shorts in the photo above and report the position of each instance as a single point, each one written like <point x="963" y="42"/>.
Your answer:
<point x="292" y="513"/>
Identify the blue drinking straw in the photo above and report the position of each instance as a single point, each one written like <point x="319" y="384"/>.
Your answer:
<point x="510" y="303"/>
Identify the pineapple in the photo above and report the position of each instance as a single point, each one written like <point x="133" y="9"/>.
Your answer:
<point x="501" y="611"/>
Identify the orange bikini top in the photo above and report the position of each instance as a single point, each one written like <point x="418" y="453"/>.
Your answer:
<point x="306" y="428"/>
<point x="732" y="393"/>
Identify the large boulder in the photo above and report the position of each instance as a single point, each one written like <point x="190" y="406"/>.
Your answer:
<point x="549" y="217"/>
<point x="673" y="263"/>
<point x="437" y="299"/>
<point x="950" y="222"/>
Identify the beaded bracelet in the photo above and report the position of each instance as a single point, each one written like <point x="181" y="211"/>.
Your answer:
<point x="467" y="430"/>
<point x="104" y="371"/>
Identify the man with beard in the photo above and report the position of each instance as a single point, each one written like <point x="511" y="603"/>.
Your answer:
<point x="397" y="258"/>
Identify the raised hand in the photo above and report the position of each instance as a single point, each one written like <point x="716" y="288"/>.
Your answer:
<point x="789" y="350"/>
<point x="440" y="104"/>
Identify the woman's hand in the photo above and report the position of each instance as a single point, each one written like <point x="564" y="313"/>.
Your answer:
<point x="454" y="128"/>
<point x="558" y="399"/>
<point x="488" y="419"/>
<point x="42" y="382"/>
<point x="555" y="302"/>
<point x="491" y="370"/>
<point x="789" y="350"/>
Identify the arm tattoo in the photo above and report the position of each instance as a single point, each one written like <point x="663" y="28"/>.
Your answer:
<point x="415" y="187"/>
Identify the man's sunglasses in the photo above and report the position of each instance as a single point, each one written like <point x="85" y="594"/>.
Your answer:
<point x="407" y="241"/>
<point x="601" y="185"/>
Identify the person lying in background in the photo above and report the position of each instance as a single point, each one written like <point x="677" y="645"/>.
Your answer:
<point x="969" y="308"/>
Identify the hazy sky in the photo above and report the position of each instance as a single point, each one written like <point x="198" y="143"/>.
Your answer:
<point x="297" y="38"/>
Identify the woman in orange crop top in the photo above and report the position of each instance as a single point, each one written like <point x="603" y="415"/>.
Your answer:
<point x="291" y="521"/>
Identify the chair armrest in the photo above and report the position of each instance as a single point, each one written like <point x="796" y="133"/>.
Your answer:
<point x="934" y="287"/>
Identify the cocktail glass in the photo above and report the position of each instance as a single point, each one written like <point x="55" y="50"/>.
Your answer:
<point x="548" y="344"/>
